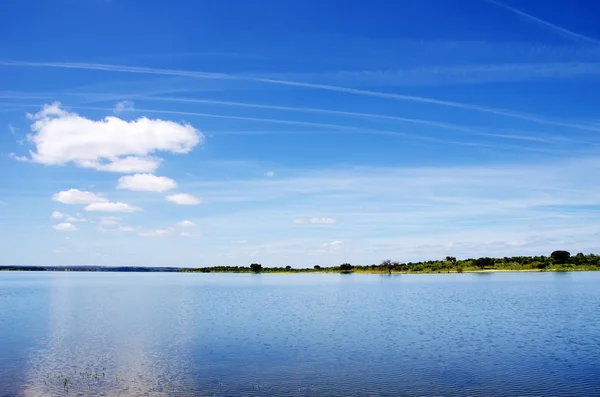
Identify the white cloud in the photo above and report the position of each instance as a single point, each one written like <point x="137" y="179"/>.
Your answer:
<point x="75" y="219"/>
<point x="186" y="234"/>
<point x="65" y="227"/>
<point x="58" y="215"/>
<point x="270" y="174"/>
<point x="146" y="182"/>
<point x="314" y="221"/>
<point x="110" y="229"/>
<point x="186" y="223"/>
<point x="156" y="233"/>
<point x="239" y="242"/>
<point x="125" y="165"/>
<point x="3" y="203"/>
<point x="12" y="129"/>
<point x="124" y="106"/>
<point x="18" y="158"/>
<point x="110" y="221"/>
<point x="111" y="207"/>
<point x="183" y="199"/>
<point x="111" y="144"/>
<point x="47" y="111"/>
<point x="75" y="196"/>
<point x="332" y="244"/>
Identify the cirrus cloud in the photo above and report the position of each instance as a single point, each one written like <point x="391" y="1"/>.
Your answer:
<point x="110" y="144"/>
<point x="146" y="183"/>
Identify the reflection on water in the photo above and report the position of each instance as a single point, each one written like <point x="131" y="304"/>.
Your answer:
<point x="299" y="335"/>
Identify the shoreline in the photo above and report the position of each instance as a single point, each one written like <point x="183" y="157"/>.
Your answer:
<point x="300" y="271"/>
<point x="558" y="261"/>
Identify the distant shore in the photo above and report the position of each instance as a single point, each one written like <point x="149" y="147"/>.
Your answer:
<point x="558" y="261"/>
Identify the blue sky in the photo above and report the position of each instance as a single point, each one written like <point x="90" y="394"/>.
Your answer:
<point x="300" y="132"/>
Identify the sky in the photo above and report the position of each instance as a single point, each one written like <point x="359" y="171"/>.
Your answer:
<point x="300" y="132"/>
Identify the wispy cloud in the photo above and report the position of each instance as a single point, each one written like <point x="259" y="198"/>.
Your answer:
<point x="412" y="213"/>
<point x="124" y="106"/>
<point x="156" y="233"/>
<point x="455" y="74"/>
<point x="289" y="83"/>
<point x="314" y="221"/>
<point x="558" y="29"/>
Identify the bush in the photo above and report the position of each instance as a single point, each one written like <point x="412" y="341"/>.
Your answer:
<point x="256" y="267"/>
<point x="483" y="262"/>
<point x="317" y="267"/>
<point x="346" y="267"/>
<point x="560" y="257"/>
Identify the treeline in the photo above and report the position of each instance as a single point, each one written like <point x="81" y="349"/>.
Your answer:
<point x="88" y="268"/>
<point x="557" y="261"/>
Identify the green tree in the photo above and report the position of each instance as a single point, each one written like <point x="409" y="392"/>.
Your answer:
<point x="560" y="257"/>
<point x="483" y="262"/>
<point x="317" y="267"/>
<point x="346" y="267"/>
<point x="288" y="267"/>
<point x="256" y="267"/>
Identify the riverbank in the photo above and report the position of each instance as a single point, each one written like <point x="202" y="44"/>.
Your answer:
<point x="563" y="262"/>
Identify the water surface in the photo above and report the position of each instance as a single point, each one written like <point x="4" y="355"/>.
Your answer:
<point x="137" y="334"/>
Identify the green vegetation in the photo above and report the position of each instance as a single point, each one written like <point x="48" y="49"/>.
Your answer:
<point x="557" y="261"/>
<point x="256" y="267"/>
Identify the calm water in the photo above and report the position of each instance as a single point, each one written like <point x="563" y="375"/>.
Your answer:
<point x="535" y="334"/>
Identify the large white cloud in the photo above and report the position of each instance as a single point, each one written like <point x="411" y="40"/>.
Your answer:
<point x="183" y="199"/>
<point x="110" y="144"/>
<point x="76" y="196"/>
<point x="146" y="182"/>
<point x="111" y="207"/>
<point x="65" y="227"/>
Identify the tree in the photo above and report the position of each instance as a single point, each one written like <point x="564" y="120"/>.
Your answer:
<point x="450" y="259"/>
<point x="387" y="264"/>
<point x="317" y="267"/>
<point x="346" y="267"/>
<point x="288" y="267"/>
<point x="256" y="267"/>
<point x="560" y="257"/>
<point x="483" y="262"/>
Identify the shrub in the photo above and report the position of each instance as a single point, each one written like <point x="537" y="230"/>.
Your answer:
<point x="256" y="267"/>
<point x="483" y="262"/>
<point x="560" y="257"/>
<point x="346" y="267"/>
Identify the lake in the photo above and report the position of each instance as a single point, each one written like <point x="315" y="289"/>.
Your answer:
<point x="137" y="334"/>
